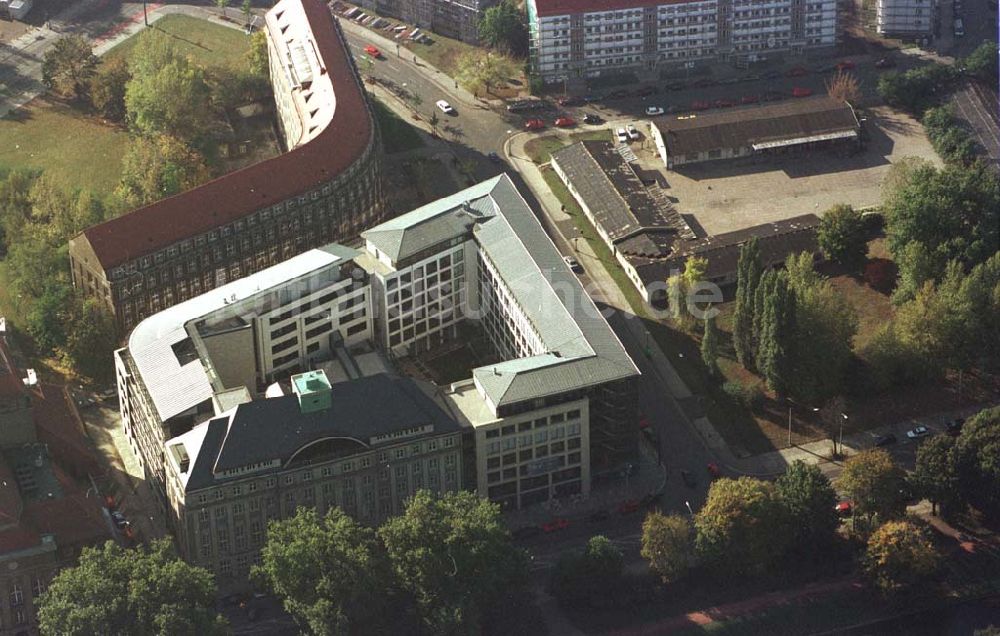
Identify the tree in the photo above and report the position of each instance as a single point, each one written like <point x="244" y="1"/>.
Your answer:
<point x="681" y="288"/>
<point x="873" y="481"/>
<point x="257" y="61"/>
<point x="503" y="28"/>
<point x="899" y="555"/>
<point x="222" y="4"/>
<point x="91" y="339"/>
<point x="935" y="476"/>
<point x="582" y="578"/>
<point x="157" y="167"/>
<point x="48" y="317"/>
<point x="844" y="87"/>
<point x="479" y="70"/>
<point x="916" y="265"/>
<point x="916" y="89"/>
<point x="977" y="461"/>
<point x="748" y="277"/>
<point x="710" y="346"/>
<point x="841" y="237"/>
<point x="453" y="555"/>
<point x="667" y="545"/>
<point x="741" y="528"/>
<point x="153" y="50"/>
<point x="777" y="335"/>
<point x="33" y="266"/>
<point x="983" y="63"/>
<point x="68" y="66"/>
<point x="174" y="101"/>
<point x="247" y="8"/>
<point x="330" y="573"/>
<point x="809" y="501"/>
<point x="136" y="591"/>
<point x="107" y="88"/>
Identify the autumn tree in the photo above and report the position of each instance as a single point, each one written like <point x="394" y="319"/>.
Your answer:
<point x="581" y="578"/>
<point x="874" y="482"/>
<point x="503" y="28"/>
<point x="159" y="166"/>
<point x="741" y="529"/>
<point x="68" y="67"/>
<point x="977" y="461"/>
<point x="844" y="87"/>
<point x="667" y="544"/>
<point x="107" y="88"/>
<point x="899" y="556"/>
<point x="483" y="70"/>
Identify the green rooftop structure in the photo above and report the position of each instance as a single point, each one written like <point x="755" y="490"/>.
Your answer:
<point x="313" y="391"/>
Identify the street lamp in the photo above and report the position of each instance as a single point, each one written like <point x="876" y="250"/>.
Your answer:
<point x="145" y="18"/>
<point x="688" y="504"/>
<point x="840" y="443"/>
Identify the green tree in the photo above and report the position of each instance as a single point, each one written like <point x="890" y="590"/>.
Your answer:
<point x="257" y="61"/>
<point x="49" y="315"/>
<point x="247" y="8"/>
<point x="153" y="50"/>
<point x="749" y="270"/>
<point x="777" y="336"/>
<point x="841" y="237"/>
<point x="667" y="544"/>
<point x="916" y="265"/>
<point x="951" y="141"/>
<point x="916" y="89"/>
<point x="983" y="63"/>
<point x="140" y="591"/>
<point x="935" y="476"/>
<point x="503" y="28"/>
<point x="171" y="99"/>
<point x="899" y="556"/>
<point x="977" y="461"/>
<point x="107" y="88"/>
<point x="681" y="289"/>
<point x="741" y="528"/>
<point x="453" y="555"/>
<point x="91" y="339"/>
<point x="583" y="578"/>
<point x="32" y="266"/>
<point x="809" y="501"/>
<point x="222" y="4"/>
<point x="157" y="167"/>
<point x="68" y="66"/>
<point x="873" y="481"/>
<point x="710" y="346"/>
<point x="482" y="70"/>
<point x="330" y="572"/>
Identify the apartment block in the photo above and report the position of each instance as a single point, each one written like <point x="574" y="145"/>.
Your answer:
<point x="904" y="17"/>
<point x="457" y="19"/>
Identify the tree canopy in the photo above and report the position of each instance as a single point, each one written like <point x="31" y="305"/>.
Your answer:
<point x="935" y="475"/>
<point x="667" y="544"/>
<point x="977" y="460"/>
<point x="139" y="591"/>
<point x="842" y="237"/>
<point x="809" y="501"/>
<point x="741" y="528"/>
<point x="899" y="555"/>
<point x="503" y="28"/>
<point x="159" y="166"/>
<point x="68" y="67"/>
<point x="583" y="578"/>
<point x="479" y="70"/>
<point x="875" y="483"/>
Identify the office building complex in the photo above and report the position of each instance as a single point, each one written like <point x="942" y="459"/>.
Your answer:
<point x="589" y="38"/>
<point x="326" y="187"/>
<point x="904" y="17"/>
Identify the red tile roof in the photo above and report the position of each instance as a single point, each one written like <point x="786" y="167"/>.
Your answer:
<point x="272" y="181"/>
<point x="547" y="8"/>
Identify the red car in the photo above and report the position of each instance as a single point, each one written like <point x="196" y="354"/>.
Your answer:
<point x="565" y="122"/>
<point x="749" y="99"/>
<point x="844" y="508"/>
<point x="374" y="52"/>
<point x="798" y="71"/>
<point x="724" y="103"/>
<point x="801" y="92"/>
<point x="534" y="124"/>
<point x="628" y="507"/>
<point x="713" y="469"/>
<point x="700" y="105"/>
<point x="555" y="525"/>
<point x="846" y="65"/>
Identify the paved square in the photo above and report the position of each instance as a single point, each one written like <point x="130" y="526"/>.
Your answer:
<point x="724" y="196"/>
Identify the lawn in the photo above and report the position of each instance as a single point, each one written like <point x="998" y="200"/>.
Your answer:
<point x="205" y="43"/>
<point x="540" y="149"/>
<point x="397" y="134"/>
<point x="76" y="150"/>
<point x="443" y="53"/>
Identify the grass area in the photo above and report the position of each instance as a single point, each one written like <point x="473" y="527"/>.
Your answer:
<point x="443" y="52"/>
<point x="540" y="149"/>
<point x="76" y="150"/>
<point x="397" y="134"/>
<point x="205" y="43"/>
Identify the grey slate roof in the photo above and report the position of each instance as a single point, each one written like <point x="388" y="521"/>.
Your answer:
<point x="275" y="428"/>
<point x="580" y="348"/>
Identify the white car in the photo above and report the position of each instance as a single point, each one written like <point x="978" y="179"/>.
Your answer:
<point x="633" y="134"/>
<point x="621" y="135"/>
<point x="653" y="111"/>
<point x="445" y="107"/>
<point x="918" y="432"/>
<point x="572" y="263"/>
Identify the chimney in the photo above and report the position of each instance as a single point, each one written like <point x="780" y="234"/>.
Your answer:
<point x="313" y="391"/>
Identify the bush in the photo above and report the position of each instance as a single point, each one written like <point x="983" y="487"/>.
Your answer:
<point x="918" y="89"/>
<point x="749" y="395"/>
<point x="953" y="143"/>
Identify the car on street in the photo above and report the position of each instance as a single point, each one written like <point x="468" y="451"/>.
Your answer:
<point x="646" y="91"/>
<point x="688" y="478"/>
<point x="713" y="470"/>
<point x="565" y="122"/>
<point x="591" y="118"/>
<point x="621" y="136"/>
<point x="885" y="440"/>
<point x="845" y="65"/>
<point x="573" y="264"/>
<point x="954" y="427"/>
<point x="525" y="104"/>
<point x="628" y="507"/>
<point x="844" y="508"/>
<point x="534" y="124"/>
<point x="749" y="99"/>
<point x="373" y="51"/>
<point x="555" y="525"/>
<point x="643" y="422"/>
<point x="801" y="91"/>
<point x="700" y="105"/>
<point x="445" y="107"/>
<point x="885" y="62"/>
<point x="571" y="101"/>
<point x="633" y="134"/>
<point x="675" y="86"/>
<point x="526" y="532"/>
<point x="918" y="432"/>
<point x="599" y="515"/>
<point x="724" y="103"/>
<point x="618" y="94"/>
<point x="653" y="111"/>
<point x="119" y="519"/>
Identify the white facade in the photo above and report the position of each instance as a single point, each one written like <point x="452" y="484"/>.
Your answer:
<point x="904" y="17"/>
<point x="610" y="39"/>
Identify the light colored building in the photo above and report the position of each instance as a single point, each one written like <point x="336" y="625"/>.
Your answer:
<point x="590" y="38"/>
<point x="187" y="363"/>
<point x="904" y="17"/>
<point x="458" y="19"/>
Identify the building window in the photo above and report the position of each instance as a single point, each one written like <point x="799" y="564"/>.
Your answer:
<point x="225" y="567"/>
<point x="37" y="587"/>
<point x="16" y="596"/>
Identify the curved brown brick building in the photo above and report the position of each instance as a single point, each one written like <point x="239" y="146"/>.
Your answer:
<point x="326" y="187"/>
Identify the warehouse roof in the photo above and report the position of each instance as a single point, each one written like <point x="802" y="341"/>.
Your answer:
<point x="766" y="125"/>
<point x="345" y="135"/>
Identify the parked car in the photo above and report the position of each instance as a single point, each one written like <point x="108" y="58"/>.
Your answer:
<point x="800" y="91"/>
<point x="796" y="71"/>
<point x="633" y="134"/>
<point x="573" y="264"/>
<point x="526" y="104"/>
<point x="445" y="107"/>
<point x="700" y="105"/>
<point x="724" y="103"/>
<point x="565" y="122"/>
<point x="119" y="519"/>
<point x="591" y="118"/>
<point x="643" y="422"/>
<point x="555" y="525"/>
<point x="621" y="93"/>
<point x="628" y="507"/>
<point x="885" y="62"/>
<point x="373" y="51"/>
<point x="534" y="124"/>
<point x="954" y="427"/>
<point x="844" y="508"/>
<point x="713" y="470"/>
<point x="885" y="440"/>
<point x="918" y="432"/>
<point x="749" y="99"/>
<point x="653" y="111"/>
<point x="526" y="532"/>
<point x="845" y="65"/>
<point x="646" y="91"/>
<point x="571" y="101"/>
<point x="688" y="478"/>
<point x="675" y="86"/>
<point x="621" y="135"/>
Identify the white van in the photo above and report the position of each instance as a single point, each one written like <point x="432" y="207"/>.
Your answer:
<point x="445" y="107"/>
